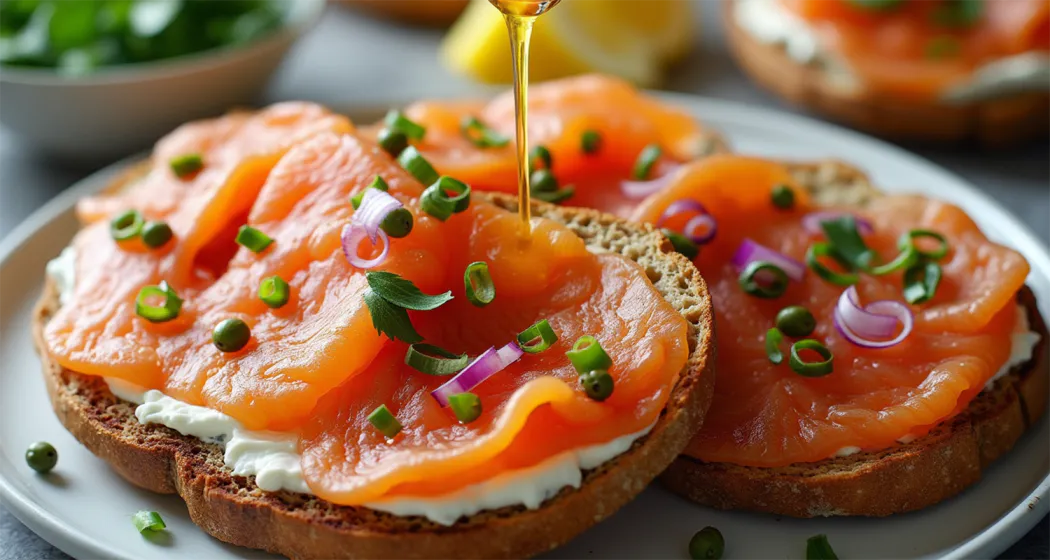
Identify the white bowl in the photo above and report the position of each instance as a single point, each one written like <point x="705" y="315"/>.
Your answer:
<point x="122" y="109"/>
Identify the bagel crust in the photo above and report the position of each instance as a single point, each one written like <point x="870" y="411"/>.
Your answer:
<point x="233" y="509"/>
<point x="1000" y="122"/>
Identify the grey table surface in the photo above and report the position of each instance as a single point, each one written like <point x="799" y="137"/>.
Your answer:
<point x="351" y="60"/>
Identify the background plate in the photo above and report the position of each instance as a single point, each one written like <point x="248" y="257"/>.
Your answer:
<point x="84" y="508"/>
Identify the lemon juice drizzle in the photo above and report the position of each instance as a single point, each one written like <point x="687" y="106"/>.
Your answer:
<point x="520" y="16"/>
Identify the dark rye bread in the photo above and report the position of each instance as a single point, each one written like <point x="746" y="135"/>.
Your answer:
<point x="1003" y="121"/>
<point x="235" y="510"/>
<point x="905" y="477"/>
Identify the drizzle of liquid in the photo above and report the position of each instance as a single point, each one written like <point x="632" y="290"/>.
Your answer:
<point x="520" y="15"/>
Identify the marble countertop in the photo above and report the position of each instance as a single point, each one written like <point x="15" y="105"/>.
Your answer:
<point x="338" y="64"/>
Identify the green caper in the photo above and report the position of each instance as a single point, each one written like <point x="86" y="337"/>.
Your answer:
<point x="682" y="244"/>
<point x="231" y="335"/>
<point x="542" y="180"/>
<point x="393" y="142"/>
<point x="783" y="197"/>
<point x="796" y="321"/>
<point x="156" y="234"/>
<point x="598" y="384"/>
<point x="41" y="457"/>
<point x="398" y="223"/>
<point x="707" y="544"/>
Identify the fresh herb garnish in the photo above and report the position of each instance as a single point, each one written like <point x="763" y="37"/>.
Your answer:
<point x="390" y="319"/>
<point x="846" y="242"/>
<point x="818" y="548"/>
<point x="921" y="281"/>
<point x="773" y="340"/>
<point x="403" y="293"/>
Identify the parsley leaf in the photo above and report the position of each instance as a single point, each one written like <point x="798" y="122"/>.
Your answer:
<point x="390" y="319"/>
<point x="846" y="242"/>
<point x="403" y="293"/>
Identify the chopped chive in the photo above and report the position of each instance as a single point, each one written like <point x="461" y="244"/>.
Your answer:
<point x="377" y="183"/>
<point x="185" y="165"/>
<point x="385" y="422"/>
<point x="417" y="165"/>
<point x="231" y="335"/>
<point x="557" y="196"/>
<point x="396" y="120"/>
<point x="811" y="369"/>
<point x="537" y="338"/>
<point x="127" y="225"/>
<point x="156" y="234"/>
<point x="783" y="197"/>
<point x="906" y="258"/>
<point x="478" y="284"/>
<point x="681" y="243"/>
<point x="433" y="360"/>
<point x="590" y="141"/>
<point x="393" y="142"/>
<point x="274" y="291"/>
<point x="795" y="320"/>
<point x="818" y="548"/>
<point x="148" y="521"/>
<point x="542" y="180"/>
<point x="598" y="384"/>
<point x="481" y="135"/>
<point x="588" y="355"/>
<point x="846" y="242"/>
<point x="772" y="286"/>
<point x="821" y="249"/>
<point x="253" y="239"/>
<point x="921" y="281"/>
<point x="466" y="406"/>
<point x="773" y="340"/>
<point x="643" y="166"/>
<point x="540" y="155"/>
<point x="166" y="311"/>
<point x="436" y="201"/>
<point x="908" y="239"/>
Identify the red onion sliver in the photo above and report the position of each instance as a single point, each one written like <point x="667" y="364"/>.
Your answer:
<point x="813" y="220"/>
<point x="642" y="189"/>
<point x="375" y="205"/>
<point x="885" y="308"/>
<point x="486" y="365"/>
<point x="860" y="320"/>
<point x="705" y="224"/>
<point x="750" y="251"/>
<point x="352" y="235"/>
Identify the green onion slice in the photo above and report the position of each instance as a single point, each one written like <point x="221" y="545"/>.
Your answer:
<point x="274" y="291"/>
<point x="185" y="165"/>
<point x="906" y="258"/>
<point x="384" y="421"/>
<point x="782" y="196"/>
<point x="393" y="142"/>
<point x="126" y="226"/>
<point x="466" y="406"/>
<point x="643" y="166"/>
<point x="433" y="360"/>
<point x="377" y="183"/>
<point x="818" y="548"/>
<point x="148" y="521"/>
<point x="681" y="243"/>
<point x="846" y="242"/>
<point x="253" y="239"/>
<point x="773" y="286"/>
<point x="921" y="281"/>
<point x="588" y="355"/>
<point x="417" y="165"/>
<point x="590" y="141"/>
<point x="436" y="201"/>
<point x="396" y="120"/>
<point x="537" y="338"/>
<point x="540" y="154"/>
<point x="167" y="310"/>
<point x="773" y="340"/>
<point x="481" y="135"/>
<point x="811" y="369"/>
<point x="557" y="196"/>
<point x="542" y="180"/>
<point x="907" y="240"/>
<point x="821" y="249"/>
<point x="478" y="283"/>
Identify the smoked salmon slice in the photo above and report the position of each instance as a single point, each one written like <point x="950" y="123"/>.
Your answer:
<point x="317" y="366"/>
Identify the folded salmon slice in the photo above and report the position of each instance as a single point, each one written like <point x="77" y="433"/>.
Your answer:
<point x="907" y="51"/>
<point x="765" y="414"/>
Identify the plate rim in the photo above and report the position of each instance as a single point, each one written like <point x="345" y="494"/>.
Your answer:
<point x="988" y="542"/>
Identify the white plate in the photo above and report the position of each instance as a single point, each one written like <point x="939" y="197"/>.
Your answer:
<point x="84" y="509"/>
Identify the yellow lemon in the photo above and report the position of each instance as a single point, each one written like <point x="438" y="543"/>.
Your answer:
<point x="634" y="39"/>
